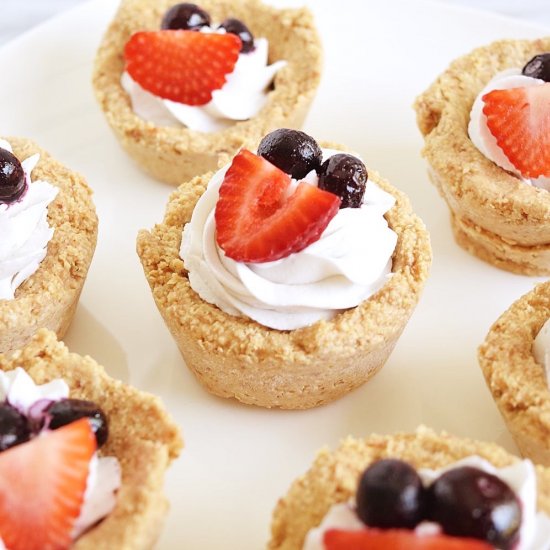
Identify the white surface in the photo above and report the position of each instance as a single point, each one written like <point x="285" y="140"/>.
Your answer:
<point x="239" y="460"/>
<point x="20" y="15"/>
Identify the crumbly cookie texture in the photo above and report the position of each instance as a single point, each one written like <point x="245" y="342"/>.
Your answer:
<point x="516" y="380"/>
<point x="299" y="369"/>
<point x="496" y="216"/>
<point x="175" y="155"/>
<point x="141" y="435"/>
<point x="48" y="299"/>
<point x="333" y="477"/>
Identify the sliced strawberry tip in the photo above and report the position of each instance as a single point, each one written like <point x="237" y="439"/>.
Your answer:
<point x="519" y="119"/>
<point x="42" y="486"/>
<point x="258" y="221"/>
<point x="397" y="539"/>
<point x="182" y="66"/>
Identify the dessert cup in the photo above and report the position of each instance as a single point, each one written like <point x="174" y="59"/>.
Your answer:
<point x="333" y="477"/>
<point x="516" y="380"/>
<point x="494" y="215"/>
<point x="175" y="155"/>
<point x="48" y="298"/>
<point x="294" y="369"/>
<point x="143" y="438"/>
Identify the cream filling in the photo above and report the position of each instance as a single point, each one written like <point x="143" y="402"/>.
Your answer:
<point x="349" y="263"/>
<point x="482" y="137"/>
<point x="104" y="476"/>
<point x="242" y="96"/>
<point x="24" y="230"/>
<point x="541" y="349"/>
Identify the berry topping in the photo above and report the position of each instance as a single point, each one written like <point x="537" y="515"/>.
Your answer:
<point x="345" y="176"/>
<point x="14" y="427"/>
<point x="292" y="151"/>
<point x="42" y="485"/>
<point x="375" y="539"/>
<point x="538" y="67"/>
<point x="256" y="221"/>
<point x="519" y="119"/>
<point x="182" y="66"/>
<point x="12" y="178"/>
<point x="186" y="17"/>
<point x="391" y="494"/>
<point x="236" y="26"/>
<point x="65" y="411"/>
<point x="468" y="502"/>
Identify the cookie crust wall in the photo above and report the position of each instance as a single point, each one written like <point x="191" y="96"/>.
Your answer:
<point x="174" y="154"/>
<point x="141" y="435"/>
<point x="333" y="477"/>
<point x="48" y="299"/>
<point x="237" y="357"/>
<point x="495" y="216"/>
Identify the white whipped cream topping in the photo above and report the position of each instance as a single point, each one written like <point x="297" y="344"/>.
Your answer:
<point x="240" y="98"/>
<point x="348" y="264"/>
<point x="104" y="476"/>
<point x="541" y="349"/>
<point x="521" y="477"/>
<point x="24" y="230"/>
<point x="480" y="134"/>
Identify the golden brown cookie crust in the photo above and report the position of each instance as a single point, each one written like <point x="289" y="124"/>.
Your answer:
<point x="49" y="297"/>
<point x="237" y="357"/>
<point x="477" y="191"/>
<point x="175" y="154"/>
<point x="141" y="435"/>
<point x="516" y="380"/>
<point x="333" y="477"/>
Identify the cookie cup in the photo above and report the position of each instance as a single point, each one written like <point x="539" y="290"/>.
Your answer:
<point x="176" y="154"/>
<point x="494" y="215"/>
<point x="48" y="298"/>
<point x="297" y="369"/>
<point x="517" y="382"/>
<point x="333" y="476"/>
<point x="141" y="436"/>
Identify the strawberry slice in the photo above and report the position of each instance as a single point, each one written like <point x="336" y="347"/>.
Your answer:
<point x="396" y="539"/>
<point x="183" y="66"/>
<point x="42" y="485"/>
<point x="519" y="119"/>
<point x="256" y="221"/>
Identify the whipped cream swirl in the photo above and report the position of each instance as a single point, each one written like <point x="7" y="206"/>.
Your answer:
<point x="24" y="230"/>
<point x="541" y="349"/>
<point x="482" y="137"/>
<point x="534" y="533"/>
<point x="241" y="97"/>
<point x="104" y="476"/>
<point x="348" y="264"/>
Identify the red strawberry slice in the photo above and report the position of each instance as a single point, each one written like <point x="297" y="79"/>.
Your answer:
<point x="397" y="539"/>
<point x="519" y="119"/>
<point x="183" y="66"/>
<point x="42" y="484"/>
<point x="256" y="221"/>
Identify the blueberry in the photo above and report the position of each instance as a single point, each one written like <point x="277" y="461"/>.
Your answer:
<point x="390" y="495"/>
<point x="345" y="176"/>
<point x="65" y="411"/>
<point x="468" y="502"/>
<point x="292" y="151"/>
<point x="12" y="178"/>
<point x="14" y="427"/>
<point x="236" y="26"/>
<point x="185" y="16"/>
<point x="538" y="67"/>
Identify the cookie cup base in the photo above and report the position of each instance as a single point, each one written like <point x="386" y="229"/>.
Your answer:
<point x="517" y="382"/>
<point x="297" y="369"/>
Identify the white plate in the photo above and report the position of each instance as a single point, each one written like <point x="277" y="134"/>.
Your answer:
<point x="239" y="460"/>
